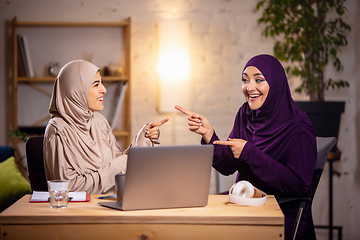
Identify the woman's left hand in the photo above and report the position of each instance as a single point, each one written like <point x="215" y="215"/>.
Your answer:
<point x="153" y="131"/>
<point x="236" y="145"/>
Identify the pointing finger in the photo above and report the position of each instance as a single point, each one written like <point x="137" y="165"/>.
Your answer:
<point x="226" y="143"/>
<point x="162" y="122"/>
<point x="184" y="110"/>
<point x="235" y="139"/>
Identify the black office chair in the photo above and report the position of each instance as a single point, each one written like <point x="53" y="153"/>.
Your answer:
<point x="324" y="146"/>
<point x="35" y="161"/>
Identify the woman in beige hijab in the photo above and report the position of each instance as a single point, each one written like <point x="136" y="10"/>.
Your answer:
<point x="79" y="145"/>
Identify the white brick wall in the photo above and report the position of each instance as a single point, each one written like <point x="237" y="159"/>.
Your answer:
<point x="224" y="34"/>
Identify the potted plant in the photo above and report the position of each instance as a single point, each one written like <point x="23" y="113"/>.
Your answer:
<point x="18" y="134"/>
<point x="308" y="38"/>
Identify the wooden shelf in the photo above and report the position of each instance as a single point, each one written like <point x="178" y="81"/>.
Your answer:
<point x="124" y="23"/>
<point x="124" y="26"/>
<point x="51" y="79"/>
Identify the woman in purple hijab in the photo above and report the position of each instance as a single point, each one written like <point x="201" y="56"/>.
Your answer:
<point x="272" y="144"/>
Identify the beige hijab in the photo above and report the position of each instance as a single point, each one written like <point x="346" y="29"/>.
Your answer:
<point x="78" y="144"/>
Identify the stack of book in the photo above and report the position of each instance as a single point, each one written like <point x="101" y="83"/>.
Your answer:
<point x="25" y="55"/>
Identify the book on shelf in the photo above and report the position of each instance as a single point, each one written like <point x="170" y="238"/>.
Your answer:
<point x="119" y="105"/>
<point x="25" y="55"/>
<point x="22" y="61"/>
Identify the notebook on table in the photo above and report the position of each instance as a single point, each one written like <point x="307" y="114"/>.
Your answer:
<point x="166" y="177"/>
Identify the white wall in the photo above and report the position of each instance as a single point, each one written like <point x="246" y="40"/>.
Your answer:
<point x="224" y="34"/>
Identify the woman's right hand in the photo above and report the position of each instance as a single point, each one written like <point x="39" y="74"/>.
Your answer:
<point x="198" y="124"/>
<point x="153" y="131"/>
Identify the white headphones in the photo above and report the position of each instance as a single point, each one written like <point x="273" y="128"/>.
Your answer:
<point x="244" y="193"/>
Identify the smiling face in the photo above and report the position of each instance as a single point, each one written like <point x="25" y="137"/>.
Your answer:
<point x="254" y="87"/>
<point x="95" y="96"/>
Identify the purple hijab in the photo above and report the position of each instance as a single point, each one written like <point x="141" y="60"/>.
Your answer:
<point x="278" y="118"/>
<point x="280" y="154"/>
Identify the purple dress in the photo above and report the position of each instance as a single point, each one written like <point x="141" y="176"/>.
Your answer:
<point x="280" y="154"/>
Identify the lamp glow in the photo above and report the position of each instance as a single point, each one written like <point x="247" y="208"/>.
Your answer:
<point x="173" y="64"/>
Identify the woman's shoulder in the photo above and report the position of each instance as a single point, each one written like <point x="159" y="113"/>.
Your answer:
<point x="55" y="124"/>
<point x="303" y="131"/>
<point x="55" y="127"/>
<point x="305" y="126"/>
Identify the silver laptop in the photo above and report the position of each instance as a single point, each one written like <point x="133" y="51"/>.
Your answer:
<point x="166" y="177"/>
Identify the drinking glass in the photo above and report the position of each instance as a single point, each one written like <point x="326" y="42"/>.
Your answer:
<point x="59" y="193"/>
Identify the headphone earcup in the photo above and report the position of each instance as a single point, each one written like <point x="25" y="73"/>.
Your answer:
<point x="243" y="189"/>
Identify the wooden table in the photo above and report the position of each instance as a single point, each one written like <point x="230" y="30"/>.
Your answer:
<point x="88" y="220"/>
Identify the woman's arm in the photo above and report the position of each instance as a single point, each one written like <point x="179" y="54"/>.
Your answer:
<point x="223" y="160"/>
<point x="60" y="164"/>
<point x="294" y="176"/>
<point x="140" y="140"/>
<point x="148" y="136"/>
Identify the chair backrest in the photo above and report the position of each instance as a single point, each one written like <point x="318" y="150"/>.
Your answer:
<point x="324" y="146"/>
<point x="35" y="161"/>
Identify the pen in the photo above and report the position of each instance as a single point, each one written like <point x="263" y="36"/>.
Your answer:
<point x="109" y="196"/>
<point x="70" y="198"/>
